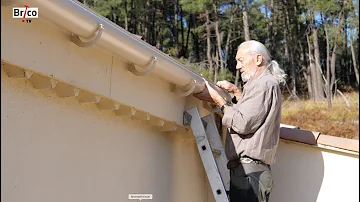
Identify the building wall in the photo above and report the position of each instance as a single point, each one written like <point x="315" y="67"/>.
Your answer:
<point x="306" y="173"/>
<point x="56" y="149"/>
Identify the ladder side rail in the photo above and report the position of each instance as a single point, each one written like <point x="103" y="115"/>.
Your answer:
<point x="192" y="118"/>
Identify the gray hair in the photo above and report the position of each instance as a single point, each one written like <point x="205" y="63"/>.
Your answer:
<point x="259" y="48"/>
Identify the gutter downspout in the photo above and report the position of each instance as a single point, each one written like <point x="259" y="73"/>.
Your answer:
<point x="81" y="21"/>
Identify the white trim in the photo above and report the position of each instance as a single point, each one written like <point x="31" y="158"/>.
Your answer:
<point x="322" y="147"/>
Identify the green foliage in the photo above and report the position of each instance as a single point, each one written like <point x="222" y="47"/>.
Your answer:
<point x="195" y="6"/>
<point x="226" y="75"/>
<point x="204" y="71"/>
<point x="105" y="8"/>
<point x="155" y="21"/>
<point x="257" y="22"/>
<point x="172" y="51"/>
<point x="289" y="23"/>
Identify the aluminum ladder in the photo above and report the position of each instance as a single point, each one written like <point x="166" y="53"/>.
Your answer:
<point x="212" y="152"/>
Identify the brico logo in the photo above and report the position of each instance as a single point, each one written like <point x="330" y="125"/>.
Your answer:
<point x="26" y="13"/>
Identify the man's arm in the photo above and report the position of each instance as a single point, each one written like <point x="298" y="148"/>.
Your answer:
<point x="247" y="117"/>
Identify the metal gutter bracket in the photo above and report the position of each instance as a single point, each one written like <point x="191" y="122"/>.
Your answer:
<point x="132" y="69"/>
<point x="178" y="91"/>
<point x="76" y="40"/>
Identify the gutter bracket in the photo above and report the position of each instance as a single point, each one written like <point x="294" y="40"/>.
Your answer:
<point x="76" y="40"/>
<point x="132" y="69"/>
<point x="178" y="91"/>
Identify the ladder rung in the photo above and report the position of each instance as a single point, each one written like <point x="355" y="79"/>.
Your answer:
<point x="216" y="151"/>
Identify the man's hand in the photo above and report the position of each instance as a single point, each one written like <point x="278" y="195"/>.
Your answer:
<point x="219" y="101"/>
<point x="229" y="87"/>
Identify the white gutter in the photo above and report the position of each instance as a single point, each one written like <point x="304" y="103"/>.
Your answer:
<point x="80" y="20"/>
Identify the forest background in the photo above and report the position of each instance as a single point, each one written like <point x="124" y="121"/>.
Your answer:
<point x="316" y="42"/>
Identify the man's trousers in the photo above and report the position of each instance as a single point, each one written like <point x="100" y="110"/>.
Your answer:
<point x="250" y="182"/>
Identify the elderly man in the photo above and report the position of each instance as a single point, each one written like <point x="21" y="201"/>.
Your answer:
<point x="253" y="122"/>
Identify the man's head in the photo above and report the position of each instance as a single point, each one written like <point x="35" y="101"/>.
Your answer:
<point x="252" y="58"/>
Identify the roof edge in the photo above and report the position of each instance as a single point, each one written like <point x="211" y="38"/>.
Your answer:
<point x="316" y="138"/>
<point x="82" y="22"/>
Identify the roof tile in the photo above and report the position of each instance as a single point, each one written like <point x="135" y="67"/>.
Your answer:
<point x="303" y="136"/>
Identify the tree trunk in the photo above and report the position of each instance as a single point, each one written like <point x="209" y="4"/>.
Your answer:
<point x="245" y="20"/>
<point x="182" y="33"/>
<point x="267" y="22"/>
<point x="146" y="35"/>
<point x="286" y="50"/>
<point x="219" y="46"/>
<point x="114" y="16"/>
<point x="246" y="32"/>
<point x="333" y="54"/>
<point x="157" y="39"/>
<point x="133" y="21"/>
<point x="196" y="47"/>
<point x="195" y="39"/>
<point x="229" y="33"/>
<point x="332" y="68"/>
<point x="271" y="28"/>
<point x="312" y="69"/>
<point x="274" y="29"/>
<point x="126" y="16"/>
<point x="185" y="49"/>
<point x="306" y="72"/>
<point x="328" y="92"/>
<point x="307" y="77"/>
<point x="154" y="41"/>
<point x="269" y="9"/>
<point x="286" y="41"/>
<point x="216" y="59"/>
<point x="291" y="35"/>
<point x="175" y="27"/>
<point x="208" y="41"/>
<point x="356" y="68"/>
<point x="346" y="71"/>
<point x="317" y="79"/>
<point x="218" y="39"/>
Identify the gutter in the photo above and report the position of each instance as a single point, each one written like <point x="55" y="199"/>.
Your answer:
<point x="79" y="20"/>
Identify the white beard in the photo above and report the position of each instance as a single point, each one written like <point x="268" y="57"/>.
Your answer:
<point x="245" y="77"/>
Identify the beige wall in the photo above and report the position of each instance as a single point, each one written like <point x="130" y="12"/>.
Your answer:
<point x="58" y="150"/>
<point x="305" y="174"/>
